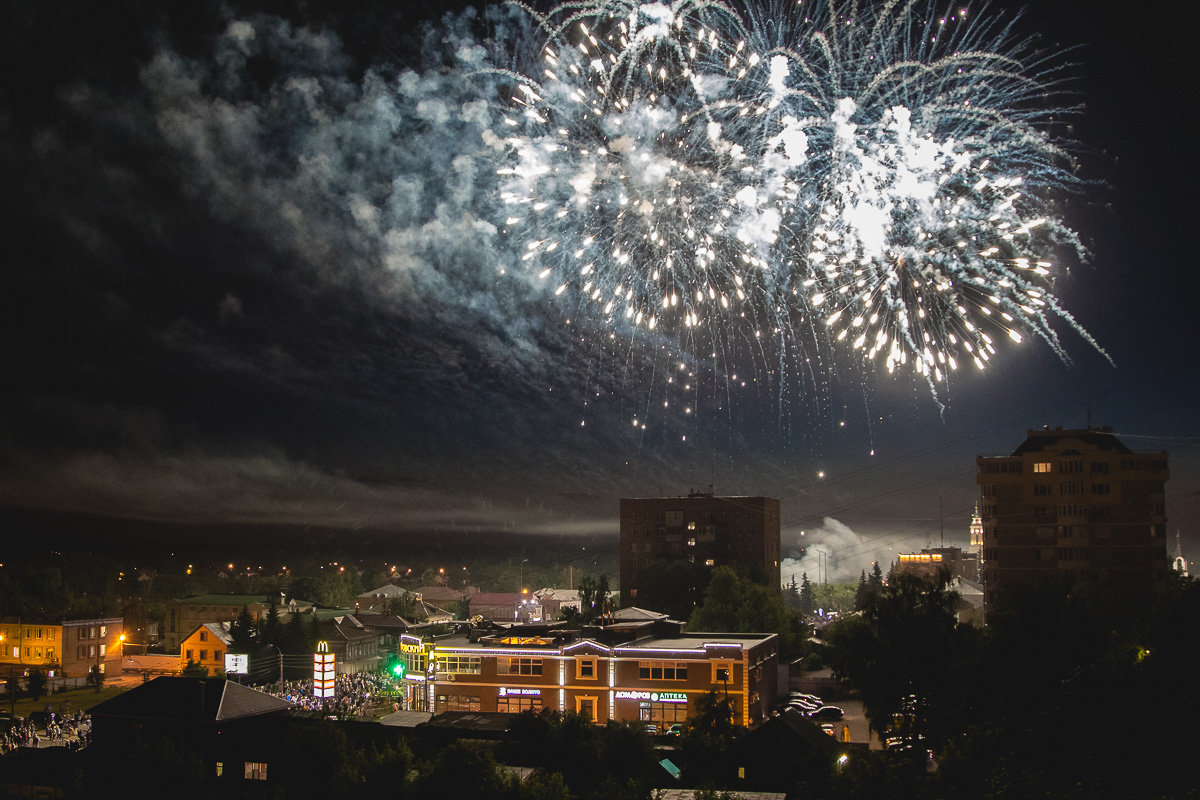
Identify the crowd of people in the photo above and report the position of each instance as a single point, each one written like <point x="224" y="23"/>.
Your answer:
<point x="51" y="729"/>
<point x="354" y="695"/>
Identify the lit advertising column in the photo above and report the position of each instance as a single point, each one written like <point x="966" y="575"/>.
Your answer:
<point x="323" y="671"/>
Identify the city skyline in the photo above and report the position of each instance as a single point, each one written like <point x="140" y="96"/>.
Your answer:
<point x="199" y="332"/>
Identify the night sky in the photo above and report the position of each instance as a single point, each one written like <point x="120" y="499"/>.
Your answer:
<point x="247" y="282"/>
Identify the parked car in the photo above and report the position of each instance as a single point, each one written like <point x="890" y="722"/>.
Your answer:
<point x="651" y="729"/>
<point x="675" y="729"/>
<point x="827" y="712"/>
<point x="812" y="698"/>
<point x="803" y="705"/>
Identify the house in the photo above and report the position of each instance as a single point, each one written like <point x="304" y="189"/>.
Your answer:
<point x="777" y="754"/>
<point x="556" y="601"/>
<point x="234" y="729"/>
<point x="206" y="646"/>
<point x="355" y="646"/>
<point x="378" y="600"/>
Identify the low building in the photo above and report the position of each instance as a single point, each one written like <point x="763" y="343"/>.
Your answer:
<point x="236" y="731"/>
<point x="354" y="645"/>
<point x="506" y="606"/>
<point x="206" y="646"/>
<point x="380" y="600"/>
<point x="931" y="562"/>
<point x="186" y="614"/>
<point x="557" y="601"/>
<point x="644" y="670"/>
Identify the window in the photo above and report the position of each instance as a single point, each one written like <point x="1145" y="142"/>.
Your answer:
<point x="708" y="562"/>
<point x="103" y="631"/>
<point x="518" y="666"/>
<point x="457" y="664"/>
<point x="1041" y="466"/>
<point x="217" y="655"/>
<point x="457" y="702"/>
<point x="662" y="713"/>
<point x="586" y="705"/>
<point x="663" y="670"/>
<point x="1041" y="489"/>
<point x="203" y="636"/>
<point x="515" y="705"/>
<point x="256" y="770"/>
<point x="220" y="768"/>
<point x="189" y="655"/>
<point x="103" y="647"/>
<point x="49" y="653"/>
<point x="585" y="668"/>
<point x="722" y="672"/>
<point x="691" y="526"/>
<point x="691" y="541"/>
<point x="39" y="633"/>
<point x="203" y="655"/>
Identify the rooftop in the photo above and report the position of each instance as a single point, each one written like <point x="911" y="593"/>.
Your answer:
<point x="189" y="700"/>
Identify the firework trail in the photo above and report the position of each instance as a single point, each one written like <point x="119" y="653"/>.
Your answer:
<point x="882" y="174"/>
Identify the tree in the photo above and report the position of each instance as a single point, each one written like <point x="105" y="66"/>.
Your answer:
<point x="792" y="597"/>
<point x="739" y="605"/>
<point x="36" y="682"/>
<point x="861" y="594"/>
<point x="96" y="677"/>
<point x="194" y="669"/>
<point x="905" y="654"/>
<point x="593" y="599"/>
<point x="242" y="632"/>
<point x="272" y="625"/>
<point x="707" y="736"/>
<point x="807" y="605"/>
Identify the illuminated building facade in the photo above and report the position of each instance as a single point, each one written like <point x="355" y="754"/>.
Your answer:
<point x="1076" y="507"/>
<point x="931" y="561"/>
<point x="644" y="671"/>
<point x="699" y="529"/>
<point x="206" y="646"/>
<point x="68" y="648"/>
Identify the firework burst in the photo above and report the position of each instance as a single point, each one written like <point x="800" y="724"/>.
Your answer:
<point x="883" y="172"/>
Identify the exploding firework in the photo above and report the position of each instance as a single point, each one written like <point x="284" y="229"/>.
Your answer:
<point x="643" y="167"/>
<point x="883" y="172"/>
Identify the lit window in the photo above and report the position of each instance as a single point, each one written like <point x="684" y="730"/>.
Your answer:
<point x="691" y="526"/>
<point x="708" y="562"/>
<point x="586" y="668"/>
<point x="256" y="771"/>
<point x="1041" y="466"/>
<point x="220" y="768"/>
<point x="692" y="541"/>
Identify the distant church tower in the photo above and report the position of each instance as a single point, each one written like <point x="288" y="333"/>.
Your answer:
<point x="976" y="546"/>
<point x="1180" y="563"/>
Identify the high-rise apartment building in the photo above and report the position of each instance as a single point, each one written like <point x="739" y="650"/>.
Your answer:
<point x="1078" y="507"/>
<point x="699" y="529"/>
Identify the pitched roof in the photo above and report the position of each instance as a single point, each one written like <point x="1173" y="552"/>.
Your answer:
<point x="223" y="599"/>
<point x="498" y="598"/>
<point x="217" y="630"/>
<point x="189" y="700"/>
<point x="387" y="590"/>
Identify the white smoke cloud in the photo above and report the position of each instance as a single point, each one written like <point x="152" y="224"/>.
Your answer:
<point x="833" y="552"/>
